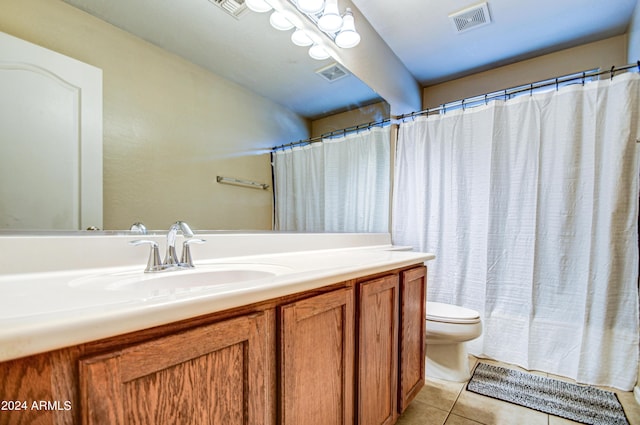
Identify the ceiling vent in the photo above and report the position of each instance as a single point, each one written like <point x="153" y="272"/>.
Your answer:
<point x="471" y="17"/>
<point x="332" y="72"/>
<point x="235" y="8"/>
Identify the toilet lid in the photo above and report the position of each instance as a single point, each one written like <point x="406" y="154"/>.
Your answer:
<point x="450" y="313"/>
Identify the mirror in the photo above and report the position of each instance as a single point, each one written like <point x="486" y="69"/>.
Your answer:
<point x="170" y="124"/>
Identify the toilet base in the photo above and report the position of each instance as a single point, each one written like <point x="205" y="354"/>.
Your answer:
<point x="447" y="361"/>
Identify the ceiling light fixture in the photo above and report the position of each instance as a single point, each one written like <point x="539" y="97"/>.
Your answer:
<point x="324" y="14"/>
<point x="259" y="6"/>
<point x="310" y="6"/>
<point x="280" y="22"/>
<point x="317" y="52"/>
<point x="330" y="21"/>
<point x="348" y="37"/>
<point x="301" y="38"/>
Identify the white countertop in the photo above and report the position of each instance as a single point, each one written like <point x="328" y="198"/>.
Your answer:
<point x="54" y="309"/>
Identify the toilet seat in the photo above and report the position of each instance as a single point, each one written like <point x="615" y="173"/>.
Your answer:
<point x="448" y="313"/>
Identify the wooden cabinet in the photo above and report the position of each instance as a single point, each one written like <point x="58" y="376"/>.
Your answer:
<point x="411" y="338"/>
<point x="378" y="302"/>
<point x="317" y="360"/>
<point x="214" y="374"/>
<point x="352" y="352"/>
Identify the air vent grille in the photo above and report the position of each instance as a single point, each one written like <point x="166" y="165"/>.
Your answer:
<point x="235" y="8"/>
<point x="471" y="17"/>
<point x="332" y="72"/>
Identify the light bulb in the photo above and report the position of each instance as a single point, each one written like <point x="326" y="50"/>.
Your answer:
<point x="310" y="6"/>
<point x="300" y="38"/>
<point x="258" y="5"/>
<point x="330" y="21"/>
<point x="280" y="22"/>
<point x="317" y="52"/>
<point x="348" y="36"/>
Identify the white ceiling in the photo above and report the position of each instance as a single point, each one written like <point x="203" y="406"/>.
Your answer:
<point x="422" y="36"/>
<point x="251" y="53"/>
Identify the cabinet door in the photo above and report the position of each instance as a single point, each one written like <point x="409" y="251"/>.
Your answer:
<point x="378" y="351"/>
<point x="316" y="360"/>
<point x="412" y="323"/>
<point x="215" y="374"/>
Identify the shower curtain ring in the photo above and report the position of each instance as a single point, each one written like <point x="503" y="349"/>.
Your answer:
<point x="612" y="71"/>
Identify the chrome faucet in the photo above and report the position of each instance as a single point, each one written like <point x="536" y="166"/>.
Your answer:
<point x="153" y="264"/>
<point x="138" y="227"/>
<point x="171" y="259"/>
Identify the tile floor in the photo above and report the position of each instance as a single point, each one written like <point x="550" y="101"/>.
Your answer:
<point x="449" y="403"/>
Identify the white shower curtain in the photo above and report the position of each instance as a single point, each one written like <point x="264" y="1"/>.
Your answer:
<point x="531" y="207"/>
<point x="337" y="185"/>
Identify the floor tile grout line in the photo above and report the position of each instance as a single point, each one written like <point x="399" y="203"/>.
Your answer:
<point x="458" y="398"/>
<point x="454" y="405"/>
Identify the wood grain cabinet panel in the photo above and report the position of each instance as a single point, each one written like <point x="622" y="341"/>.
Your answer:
<point x="346" y="354"/>
<point x="378" y="351"/>
<point x="28" y="383"/>
<point x="214" y="374"/>
<point x="411" y="340"/>
<point x="317" y="360"/>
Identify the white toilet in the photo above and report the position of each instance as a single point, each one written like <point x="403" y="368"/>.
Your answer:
<point x="448" y="327"/>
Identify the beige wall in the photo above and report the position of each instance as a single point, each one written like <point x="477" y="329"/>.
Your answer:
<point x="169" y="126"/>
<point x="366" y="114"/>
<point x="633" y="34"/>
<point x="601" y="54"/>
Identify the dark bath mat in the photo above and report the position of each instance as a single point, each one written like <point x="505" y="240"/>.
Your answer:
<point x="578" y="403"/>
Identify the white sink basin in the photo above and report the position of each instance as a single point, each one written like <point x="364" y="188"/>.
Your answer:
<point x="201" y="277"/>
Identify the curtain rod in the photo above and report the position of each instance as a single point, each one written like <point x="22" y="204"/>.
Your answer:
<point x="334" y="133"/>
<point x="485" y="98"/>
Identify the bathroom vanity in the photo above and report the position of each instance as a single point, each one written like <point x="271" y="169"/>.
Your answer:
<point x="325" y="336"/>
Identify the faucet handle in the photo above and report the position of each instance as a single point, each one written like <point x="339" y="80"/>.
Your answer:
<point x="153" y="264"/>
<point x="138" y="227"/>
<point x="186" y="260"/>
